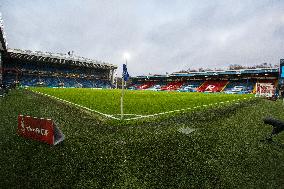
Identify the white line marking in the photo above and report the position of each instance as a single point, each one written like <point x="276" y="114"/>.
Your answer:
<point x="162" y="113"/>
<point x="138" y="116"/>
<point x="78" y="105"/>
<point x="129" y="114"/>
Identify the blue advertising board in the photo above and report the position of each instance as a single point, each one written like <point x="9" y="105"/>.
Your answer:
<point x="282" y="68"/>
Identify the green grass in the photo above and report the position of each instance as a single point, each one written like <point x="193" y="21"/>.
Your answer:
<point x="224" y="151"/>
<point x="136" y="102"/>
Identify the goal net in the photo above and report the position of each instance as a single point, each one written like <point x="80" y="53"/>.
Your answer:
<point x="265" y="90"/>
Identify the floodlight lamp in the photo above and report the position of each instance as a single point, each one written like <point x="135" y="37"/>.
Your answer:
<point x="126" y="55"/>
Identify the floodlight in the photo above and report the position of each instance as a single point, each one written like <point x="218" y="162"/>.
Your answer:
<point x="126" y="55"/>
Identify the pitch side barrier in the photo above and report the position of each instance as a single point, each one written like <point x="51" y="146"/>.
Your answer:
<point x="136" y="116"/>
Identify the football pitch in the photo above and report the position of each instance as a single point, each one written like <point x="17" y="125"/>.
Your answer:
<point x="138" y="104"/>
<point x="208" y="147"/>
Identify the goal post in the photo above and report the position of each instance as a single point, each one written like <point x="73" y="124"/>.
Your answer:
<point x="265" y="90"/>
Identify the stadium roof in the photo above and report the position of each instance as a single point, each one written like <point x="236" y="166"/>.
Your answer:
<point x="156" y="76"/>
<point x="263" y="71"/>
<point x="229" y="72"/>
<point x="58" y="58"/>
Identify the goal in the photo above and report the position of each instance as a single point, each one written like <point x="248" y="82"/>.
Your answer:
<point x="265" y="90"/>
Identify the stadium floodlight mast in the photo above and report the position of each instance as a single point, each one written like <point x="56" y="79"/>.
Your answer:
<point x="126" y="56"/>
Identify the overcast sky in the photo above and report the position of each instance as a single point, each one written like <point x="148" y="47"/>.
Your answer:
<point x="160" y="35"/>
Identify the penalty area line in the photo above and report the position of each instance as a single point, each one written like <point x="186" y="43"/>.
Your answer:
<point x="140" y="116"/>
<point x="77" y="105"/>
<point x="128" y="114"/>
<point x="184" y="109"/>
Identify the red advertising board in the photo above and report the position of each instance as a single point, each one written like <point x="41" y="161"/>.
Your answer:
<point x="40" y="129"/>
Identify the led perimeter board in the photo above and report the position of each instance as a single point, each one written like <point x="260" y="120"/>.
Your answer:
<point x="281" y="78"/>
<point x="281" y="68"/>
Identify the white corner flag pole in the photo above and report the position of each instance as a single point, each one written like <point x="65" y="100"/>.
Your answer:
<point x="122" y="94"/>
<point x="121" y="99"/>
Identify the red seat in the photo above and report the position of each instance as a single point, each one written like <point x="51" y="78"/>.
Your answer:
<point x="172" y="86"/>
<point x="212" y="86"/>
<point x="145" y="85"/>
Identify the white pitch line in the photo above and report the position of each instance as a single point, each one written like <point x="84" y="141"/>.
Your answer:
<point x="139" y="116"/>
<point x="162" y="113"/>
<point x="129" y="114"/>
<point x="78" y="105"/>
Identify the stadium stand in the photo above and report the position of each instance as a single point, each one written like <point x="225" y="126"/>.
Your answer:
<point x="239" y="87"/>
<point x="190" y="86"/>
<point x="27" y="68"/>
<point x="229" y="81"/>
<point x="175" y="85"/>
<point x="145" y="85"/>
<point x="212" y="86"/>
